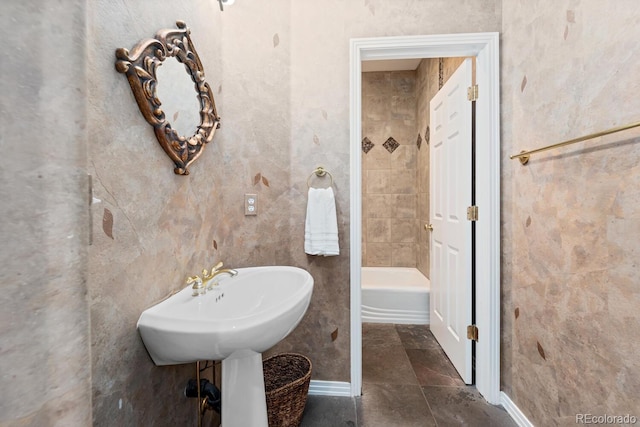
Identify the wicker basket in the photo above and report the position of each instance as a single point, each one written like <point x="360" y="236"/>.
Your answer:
<point x="286" y="383"/>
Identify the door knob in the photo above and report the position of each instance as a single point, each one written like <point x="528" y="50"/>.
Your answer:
<point x="428" y="227"/>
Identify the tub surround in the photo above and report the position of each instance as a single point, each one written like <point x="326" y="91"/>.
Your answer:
<point x="395" y="163"/>
<point x="389" y="169"/>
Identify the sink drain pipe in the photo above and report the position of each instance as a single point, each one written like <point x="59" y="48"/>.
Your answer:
<point x="208" y="395"/>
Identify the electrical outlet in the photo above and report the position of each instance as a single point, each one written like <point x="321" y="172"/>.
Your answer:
<point x="251" y="204"/>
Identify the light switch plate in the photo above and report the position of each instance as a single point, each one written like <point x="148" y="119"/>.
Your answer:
<point x="251" y="204"/>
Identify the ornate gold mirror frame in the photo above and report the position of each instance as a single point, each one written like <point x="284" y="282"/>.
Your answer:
<point x="140" y="66"/>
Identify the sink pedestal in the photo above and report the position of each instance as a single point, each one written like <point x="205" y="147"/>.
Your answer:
<point x="243" y="398"/>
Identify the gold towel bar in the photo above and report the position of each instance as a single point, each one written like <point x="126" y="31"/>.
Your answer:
<point x="524" y="156"/>
<point x="319" y="171"/>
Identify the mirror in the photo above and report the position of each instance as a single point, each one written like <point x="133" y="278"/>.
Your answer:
<point x="179" y="99"/>
<point x="181" y="125"/>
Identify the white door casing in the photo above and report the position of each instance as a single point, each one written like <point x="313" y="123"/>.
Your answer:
<point x="449" y="197"/>
<point x="486" y="48"/>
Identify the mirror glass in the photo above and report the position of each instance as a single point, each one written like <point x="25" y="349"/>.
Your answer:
<point x="179" y="97"/>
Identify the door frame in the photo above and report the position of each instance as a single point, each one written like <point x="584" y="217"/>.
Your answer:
<point x="485" y="47"/>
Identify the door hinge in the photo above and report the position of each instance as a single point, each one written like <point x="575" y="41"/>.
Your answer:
<point x="472" y="332"/>
<point x="472" y="213"/>
<point x="472" y="93"/>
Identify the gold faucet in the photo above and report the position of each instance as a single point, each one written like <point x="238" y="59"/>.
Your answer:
<point x="208" y="276"/>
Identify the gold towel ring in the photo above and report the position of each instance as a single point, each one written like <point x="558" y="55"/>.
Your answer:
<point x="319" y="171"/>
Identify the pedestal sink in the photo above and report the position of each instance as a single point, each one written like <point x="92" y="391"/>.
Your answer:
<point x="235" y="322"/>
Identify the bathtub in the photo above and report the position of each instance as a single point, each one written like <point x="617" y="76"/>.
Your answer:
<point x="394" y="295"/>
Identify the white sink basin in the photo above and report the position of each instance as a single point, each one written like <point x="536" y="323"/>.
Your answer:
<point x="251" y="311"/>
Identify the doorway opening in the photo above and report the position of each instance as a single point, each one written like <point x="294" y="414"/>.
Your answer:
<point x="396" y="225"/>
<point x="484" y="47"/>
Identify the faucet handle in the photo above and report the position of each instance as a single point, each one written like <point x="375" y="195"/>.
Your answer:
<point x="194" y="279"/>
<point x="206" y="275"/>
<point x="198" y="287"/>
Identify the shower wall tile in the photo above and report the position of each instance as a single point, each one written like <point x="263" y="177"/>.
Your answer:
<point x="403" y="130"/>
<point x="378" y="83"/>
<point x="402" y="181"/>
<point x="378" y="255"/>
<point x="378" y="159"/>
<point x="377" y="181"/>
<point x="390" y="169"/>
<point x="403" y="83"/>
<point x="404" y="230"/>
<point x="376" y="130"/>
<point x="404" y="206"/>
<point x="390" y="144"/>
<point x="379" y="205"/>
<point x="378" y="230"/>
<point x="403" y="254"/>
<point x="403" y="107"/>
<point x="405" y="157"/>
<point x="374" y="107"/>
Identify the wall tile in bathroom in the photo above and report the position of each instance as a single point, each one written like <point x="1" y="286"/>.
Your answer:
<point x="379" y="205"/>
<point x="390" y="144"/>
<point x="378" y="230"/>
<point x="423" y="173"/>
<point x="378" y="255"/>
<point x="375" y="130"/>
<point x="404" y="230"/>
<point x="403" y="254"/>
<point x="403" y="107"/>
<point x="377" y="181"/>
<point x="377" y="83"/>
<point x="402" y="181"/>
<point x="404" y="205"/>
<point x="403" y="82"/>
<point x="374" y="107"/>
<point x="378" y="158"/>
<point x="403" y="130"/>
<point x="423" y="206"/>
<point x="367" y="146"/>
<point x="404" y="157"/>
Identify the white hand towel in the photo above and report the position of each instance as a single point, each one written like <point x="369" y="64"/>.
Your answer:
<point x="321" y="225"/>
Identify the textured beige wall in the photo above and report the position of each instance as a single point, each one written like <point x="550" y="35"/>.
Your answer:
<point x="389" y="179"/>
<point x="163" y="225"/>
<point x="571" y="218"/>
<point x="44" y="316"/>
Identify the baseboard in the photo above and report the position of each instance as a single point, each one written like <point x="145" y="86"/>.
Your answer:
<point x="514" y="411"/>
<point x="329" y="388"/>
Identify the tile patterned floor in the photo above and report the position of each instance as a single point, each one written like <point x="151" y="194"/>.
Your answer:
<point x="407" y="381"/>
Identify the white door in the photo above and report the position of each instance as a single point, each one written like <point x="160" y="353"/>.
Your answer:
<point x="450" y="195"/>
